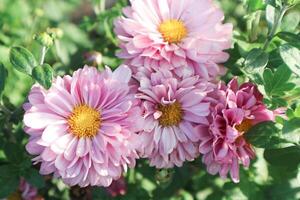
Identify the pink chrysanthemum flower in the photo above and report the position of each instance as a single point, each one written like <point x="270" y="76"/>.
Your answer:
<point x="173" y="109"/>
<point x="174" y="34"/>
<point x="82" y="128"/>
<point x="237" y="109"/>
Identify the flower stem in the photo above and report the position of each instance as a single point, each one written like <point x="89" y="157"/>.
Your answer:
<point x="102" y="5"/>
<point x="43" y="54"/>
<point x="275" y="27"/>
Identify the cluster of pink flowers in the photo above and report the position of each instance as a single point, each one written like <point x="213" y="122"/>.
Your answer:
<point x="165" y="104"/>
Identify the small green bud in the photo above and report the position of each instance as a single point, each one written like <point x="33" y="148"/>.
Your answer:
<point x="44" y="39"/>
<point x="55" y="33"/>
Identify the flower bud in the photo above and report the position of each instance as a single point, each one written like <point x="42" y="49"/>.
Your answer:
<point x="44" y="39"/>
<point x="55" y="33"/>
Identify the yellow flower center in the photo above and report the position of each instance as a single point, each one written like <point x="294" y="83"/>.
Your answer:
<point x="244" y="126"/>
<point x="171" y="114"/>
<point x="84" y="121"/>
<point x="173" y="31"/>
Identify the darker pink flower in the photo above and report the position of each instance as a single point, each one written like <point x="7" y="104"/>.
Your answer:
<point x="173" y="110"/>
<point x="83" y="128"/>
<point x="174" y="34"/>
<point x="234" y="112"/>
<point x="28" y="192"/>
<point x="24" y="192"/>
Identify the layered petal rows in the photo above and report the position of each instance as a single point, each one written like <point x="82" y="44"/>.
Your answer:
<point x="83" y="128"/>
<point x="174" y="34"/>
<point x="175" y="109"/>
<point x="234" y="112"/>
<point x="166" y="106"/>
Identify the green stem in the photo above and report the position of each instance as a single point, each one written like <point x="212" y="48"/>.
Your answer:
<point x="43" y="54"/>
<point x="102" y="5"/>
<point x="275" y="27"/>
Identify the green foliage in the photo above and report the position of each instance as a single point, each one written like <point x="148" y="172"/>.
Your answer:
<point x="291" y="38"/>
<point x="43" y="75"/>
<point x="22" y="59"/>
<point x="291" y="56"/>
<point x="276" y="84"/>
<point x="3" y="76"/>
<point x="288" y="156"/>
<point x="265" y="50"/>
<point x="265" y="135"/>
<point x="256" y="60"/>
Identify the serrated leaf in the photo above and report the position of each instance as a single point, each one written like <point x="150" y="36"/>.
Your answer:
<point x="264" y="135"/>
<point x="256" y="60"/>
<point x="289" y="156"/>
<point x="3" y="76"/>
<point x="277" y="83"/>
<point x="291" y="56"/>
<point x="22" y="59"/>
<point x="43" y="75"/>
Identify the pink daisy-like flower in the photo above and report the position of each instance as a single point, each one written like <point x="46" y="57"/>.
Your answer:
<point x="82" y="128"/>
<point x="174" y="34"/>
<point x="234" y="112"/>
<point x="173" y="109"/>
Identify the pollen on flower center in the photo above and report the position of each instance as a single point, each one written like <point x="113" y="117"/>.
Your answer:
<point x="84" y="121"/>
<point x="173" y="31"/>
<point x="244" y="126"/>
<point x="171" y="114"/>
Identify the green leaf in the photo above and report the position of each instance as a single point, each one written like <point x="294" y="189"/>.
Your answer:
<point x="264" y="135"/>
<point x="254" y="5"/>
<point x="291" y="38"/>
<point x="256" y="60"/>
<point x="277" y="83"/>
<point x="270" y="16"/>
<point x="291" y="56"/>
<point x="291" y="21"/>
<point x="289" y="156"/>
<point x="3" y="76"/>
<point x="43" y="75"/>
<point x="22" y="59"/>
<point x="291" y="130"/>
<point x="9" y="181"/>
<point x="14" y="153"/>
<point x="33" y="177"/>
<point x="275" y="3"/>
